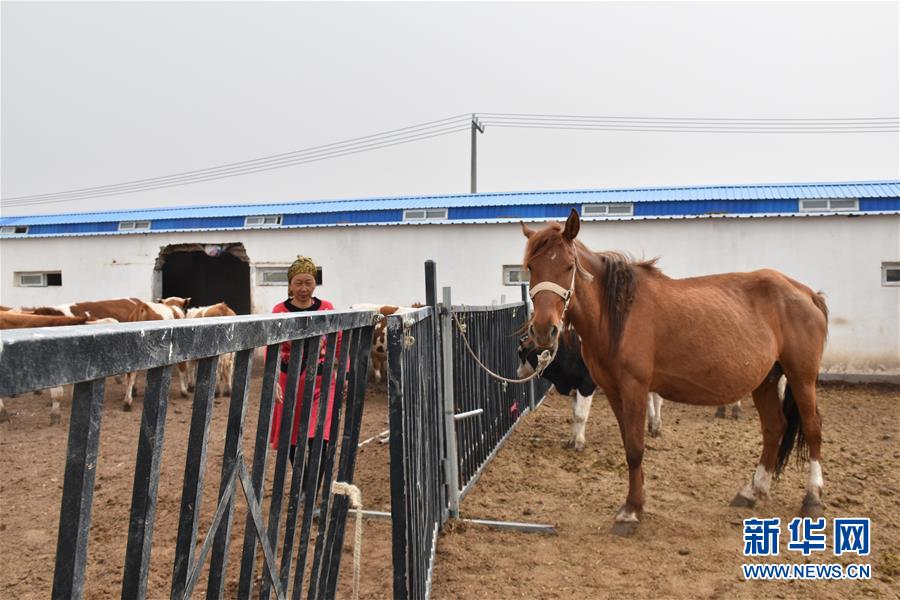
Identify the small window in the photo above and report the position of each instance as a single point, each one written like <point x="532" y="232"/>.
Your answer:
<point x="828" y="204"/>
<point x="607" y="210"/>
<point x="263" y="221"/>
<point x="278" y="275"/>
<point x="890" y="274"/>
<point x="13" y="229"/>
<point x="515" y="275"/>
<point x="38" y="279"/>
<point x="134" y="225"/>
<point x="425" y="214"/>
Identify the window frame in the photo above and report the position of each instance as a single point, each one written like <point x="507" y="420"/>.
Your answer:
<point x="5" y="229"/>
<point x="444" y="214"/>
<point x="263" y="269"/>
<point x="592" y="210"/>
<point x="803" y="205"/>
<point x="44" y="278"/>
<point x="510" y="269"/>
<point x="887" y="266"/>
<point x="138" y="225"/>
<point x="278" y="221"/>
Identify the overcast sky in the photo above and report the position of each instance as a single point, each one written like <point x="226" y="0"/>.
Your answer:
<point x="101" y="93"/>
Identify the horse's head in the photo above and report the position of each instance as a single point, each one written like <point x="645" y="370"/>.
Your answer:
<point x="551" y="259"/>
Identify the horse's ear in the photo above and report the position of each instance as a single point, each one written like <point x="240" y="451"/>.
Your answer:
<point x="573" y="224"/>
<point x="526" y="230"/>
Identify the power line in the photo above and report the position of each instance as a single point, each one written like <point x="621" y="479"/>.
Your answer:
<point x="689" y="119"/>
<point x="234" y="172"/>
<point x="313" y="154"/>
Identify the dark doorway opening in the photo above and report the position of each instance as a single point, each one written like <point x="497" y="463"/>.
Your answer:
<point x="207" y="274"/>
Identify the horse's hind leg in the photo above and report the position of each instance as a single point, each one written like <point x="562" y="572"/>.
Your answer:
<point x="773" y="425"/>
<point x="804" y="394"/>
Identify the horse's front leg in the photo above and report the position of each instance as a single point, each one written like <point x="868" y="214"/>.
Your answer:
<point x="630" y="408"/>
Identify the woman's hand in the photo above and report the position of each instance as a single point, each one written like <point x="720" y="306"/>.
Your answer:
<point x="279" y="395"/>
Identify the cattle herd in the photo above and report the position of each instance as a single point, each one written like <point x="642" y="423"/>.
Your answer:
<point x="117" y="310"/>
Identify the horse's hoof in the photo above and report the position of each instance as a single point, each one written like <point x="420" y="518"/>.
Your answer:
<point x="126" y="407"/>
<point x="228" y="393"/>
<point x="812" y="507"/>
<point x="579" y="447"/>
<point x="624" y="529"/>
<point x="4" y="416"/>
<point x="736" y="414"/>
<point x="743" y="502"/>
<point x="184" y="394"/>
<point x="654" y="432"/>
<point x="55" y="419"/>
<point x="190" y="387"/>
<point x="720" y="412"/>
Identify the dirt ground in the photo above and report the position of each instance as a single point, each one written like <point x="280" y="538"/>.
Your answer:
<point x="688" y="546"/>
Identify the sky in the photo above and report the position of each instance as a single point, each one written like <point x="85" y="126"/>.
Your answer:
<point x="94" y="94"/>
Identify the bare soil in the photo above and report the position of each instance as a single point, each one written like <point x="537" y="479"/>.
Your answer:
<point x="688" y="546"/>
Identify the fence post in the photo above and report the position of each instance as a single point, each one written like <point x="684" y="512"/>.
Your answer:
<point x="452" y="466"/>
<point x="524" y="289"/>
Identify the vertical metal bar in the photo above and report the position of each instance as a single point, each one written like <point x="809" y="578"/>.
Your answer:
<point x="78" y="489"/>
<point x="449" y="421"/>
<point x="146" y="483"/>
<point x="243" y="364"/>
<point x="194" y="469"/>
<point x="349" y="442"/>
<point x="348" y="342"/>
<point x="260" y="452"/>
<point x="398" y="452"/>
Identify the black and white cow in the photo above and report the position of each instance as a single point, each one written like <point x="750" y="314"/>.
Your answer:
<point x="570" y="377"/>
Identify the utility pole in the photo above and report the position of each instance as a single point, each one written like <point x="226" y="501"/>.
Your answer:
<point x="476" y="126"/>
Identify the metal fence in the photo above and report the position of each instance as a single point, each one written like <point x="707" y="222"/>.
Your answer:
<point x="495" y="406"/>
<point x="418" y="493"/>
<point x="448" y="418"/>
<point x="86" y="355"/>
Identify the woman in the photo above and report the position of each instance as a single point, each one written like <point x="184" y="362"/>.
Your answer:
<point x="301" y="287"/>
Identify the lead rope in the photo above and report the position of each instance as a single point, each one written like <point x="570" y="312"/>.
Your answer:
<point x="355" y="496"/>
<point x="544" y="358"/>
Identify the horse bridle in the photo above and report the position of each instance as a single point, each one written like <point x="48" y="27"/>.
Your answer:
<point x="565" y="294"/>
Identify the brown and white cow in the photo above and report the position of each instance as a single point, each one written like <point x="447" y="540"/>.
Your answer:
<point x="125" y="310"/>
<point x="379" y="337"/>
<point x="225" y="371"/>
<point x="13" y="318"/>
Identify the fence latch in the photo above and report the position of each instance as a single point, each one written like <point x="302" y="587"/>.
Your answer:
<point x="408" y="339"/>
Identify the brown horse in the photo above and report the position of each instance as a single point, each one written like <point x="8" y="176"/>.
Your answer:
<point x="702" y="340"/>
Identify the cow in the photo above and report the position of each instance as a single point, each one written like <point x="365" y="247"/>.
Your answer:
<point x="378" y="356"/>
<point x="13" y="318"/>
<point x="125" y="310"/>
<point x="570" y="377"/>
<point x="225" y="370"/>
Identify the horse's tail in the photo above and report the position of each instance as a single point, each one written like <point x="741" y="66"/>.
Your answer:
<point x="793" y="433"/>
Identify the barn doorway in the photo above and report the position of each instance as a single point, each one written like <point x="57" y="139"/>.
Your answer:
<point x="207" y="274"/>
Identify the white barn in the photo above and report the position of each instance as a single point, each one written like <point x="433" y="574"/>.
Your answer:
<point x="841" y="238"/>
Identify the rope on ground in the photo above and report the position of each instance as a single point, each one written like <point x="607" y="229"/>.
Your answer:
<point x="544" y="358"/>
<point x="355" y="496"/>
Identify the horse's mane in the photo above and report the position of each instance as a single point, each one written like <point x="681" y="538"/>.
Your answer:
<point x="618" y="287"/>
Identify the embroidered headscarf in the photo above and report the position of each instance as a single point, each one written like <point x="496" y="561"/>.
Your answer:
<point x="303" y="264"/>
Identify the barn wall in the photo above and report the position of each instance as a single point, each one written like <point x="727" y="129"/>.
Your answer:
<point x="840" y="255"/>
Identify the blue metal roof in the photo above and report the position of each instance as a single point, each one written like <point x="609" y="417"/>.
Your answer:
<point x="648" y="202"/>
